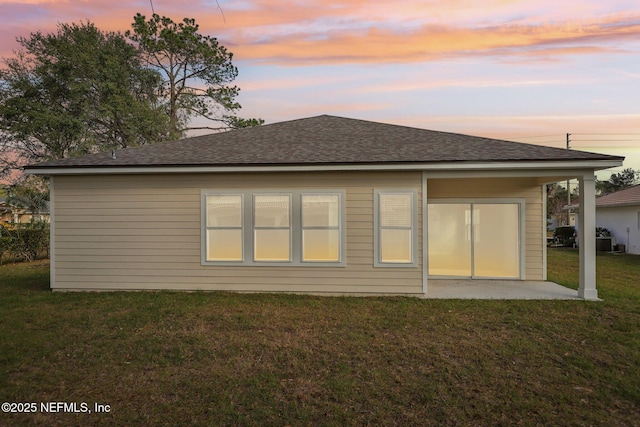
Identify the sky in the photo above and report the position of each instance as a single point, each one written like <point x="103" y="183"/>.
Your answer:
<point x="528" y="71"/>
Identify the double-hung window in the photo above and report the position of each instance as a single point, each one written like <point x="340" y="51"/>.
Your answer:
<point x="224" y="227"/>
<point x="321" y="227"/>
<point x="395" y="235"/>
<point x="274" y="228"/>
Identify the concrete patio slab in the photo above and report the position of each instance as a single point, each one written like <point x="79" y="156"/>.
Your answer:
<point x="498" y="289"/>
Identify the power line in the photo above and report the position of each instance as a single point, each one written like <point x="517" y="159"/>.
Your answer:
<point x="538" y="136"/>
<point x="221" y="12"/>
<point x="634" y="136"/>
<point x="607" y="133"/>
<point x="608" y="140"/>
<point x="217" y="3"/>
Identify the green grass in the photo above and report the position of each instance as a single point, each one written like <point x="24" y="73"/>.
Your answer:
<point x="163" y="358"/>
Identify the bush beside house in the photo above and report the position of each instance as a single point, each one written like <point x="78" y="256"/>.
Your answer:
<point x="26" y="242"/>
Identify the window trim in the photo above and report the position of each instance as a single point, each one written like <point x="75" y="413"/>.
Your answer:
<point x="207" y="227"/>
<point x="295" y="220"/>
<point x="377" y="228"/>
<point x="341" y="227"/>
<point x="255" y="228"/>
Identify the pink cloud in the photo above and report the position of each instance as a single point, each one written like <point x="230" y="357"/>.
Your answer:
<point x="429" y="42"/>
<point x="356" y="31"/>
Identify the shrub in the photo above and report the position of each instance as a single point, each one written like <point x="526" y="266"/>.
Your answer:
<point x="26" y="241"/>
<point x="5" y="245"/>
<point x="565" y="235"/>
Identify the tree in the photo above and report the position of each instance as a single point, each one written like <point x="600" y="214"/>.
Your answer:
<point x="618" y="181"/>
<point x="197" y="70"/>
<point x="76" y="91"/>
<point x="31" y="194"/>
<point x="556" y="202"/>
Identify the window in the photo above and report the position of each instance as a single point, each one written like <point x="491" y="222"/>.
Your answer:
<point x="395" y="224"/>
<point x="274" y="228"/>
<point x="320" y="227"/>
<point x="224" y="227"/>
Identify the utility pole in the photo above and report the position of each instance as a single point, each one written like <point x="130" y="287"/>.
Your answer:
<point x="568" y="189"/>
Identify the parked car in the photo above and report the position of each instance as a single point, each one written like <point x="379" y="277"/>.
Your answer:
<point x="565" y="236"/>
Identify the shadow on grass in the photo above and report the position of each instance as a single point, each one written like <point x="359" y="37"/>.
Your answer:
<point x="25" y="276"/>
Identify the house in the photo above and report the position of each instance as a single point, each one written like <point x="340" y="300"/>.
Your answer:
<point x="322" y="205"/>
<point x="10" y="215"/>
<point x="6" y="212"/>
<point x="619" y="212"/>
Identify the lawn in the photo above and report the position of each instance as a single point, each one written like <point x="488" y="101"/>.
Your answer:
<point x="164" y="358"/>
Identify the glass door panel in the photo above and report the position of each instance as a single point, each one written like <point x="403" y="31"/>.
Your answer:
<point x="449" y="237"/>
<point x="496" y="242"/>
<point x="495" y="249"/>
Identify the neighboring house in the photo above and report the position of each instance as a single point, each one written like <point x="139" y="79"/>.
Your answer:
<point x="10" y="214"/>
<point x="619" y="212"/>
<point x="6" y="212"/>
<point x="319" y="205"/>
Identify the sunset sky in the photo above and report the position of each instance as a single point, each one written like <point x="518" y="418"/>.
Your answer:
<point x="527" y="71"/>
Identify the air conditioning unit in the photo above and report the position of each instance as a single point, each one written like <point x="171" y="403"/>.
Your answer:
<point x="605" y="244"/>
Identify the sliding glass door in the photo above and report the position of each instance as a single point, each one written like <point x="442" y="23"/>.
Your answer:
<point x="474" y="239"/>
<point x="449" y="239"/>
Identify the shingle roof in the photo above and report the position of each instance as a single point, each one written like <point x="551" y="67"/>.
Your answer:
<point x="627" y="197"/>
<point x="324" y="140"/>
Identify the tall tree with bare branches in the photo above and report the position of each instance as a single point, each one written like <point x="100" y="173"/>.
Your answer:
<point x="197" y="71"/>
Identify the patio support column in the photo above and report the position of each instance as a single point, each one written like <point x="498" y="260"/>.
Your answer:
<point x="587" y="237"/>
<point x="425" y="239"/>
<point x="544" y="231"/>
<point x="52" y="233"/>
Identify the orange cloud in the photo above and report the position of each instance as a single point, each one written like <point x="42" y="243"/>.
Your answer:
<point x="356" y="31"/>
<point x="431" y="42"/>
<point x="269" y="13"/>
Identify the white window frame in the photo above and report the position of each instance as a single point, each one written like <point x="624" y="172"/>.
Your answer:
<point x="295" y="223"/>
<point x="255" y="228"/>
<point x="377" y="228"/>
<point x="206" y="227"/>
<point x="340" y="227"/>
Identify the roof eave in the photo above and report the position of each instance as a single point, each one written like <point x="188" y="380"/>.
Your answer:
<point x="416" y="166"/>
<point x="618" y="205"/>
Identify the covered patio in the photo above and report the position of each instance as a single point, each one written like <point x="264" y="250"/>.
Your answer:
<point x="499" y="289"/>
<point x="529" y="239"/>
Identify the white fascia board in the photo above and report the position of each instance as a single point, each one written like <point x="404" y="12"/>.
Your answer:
<point x="427" y="167"/>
